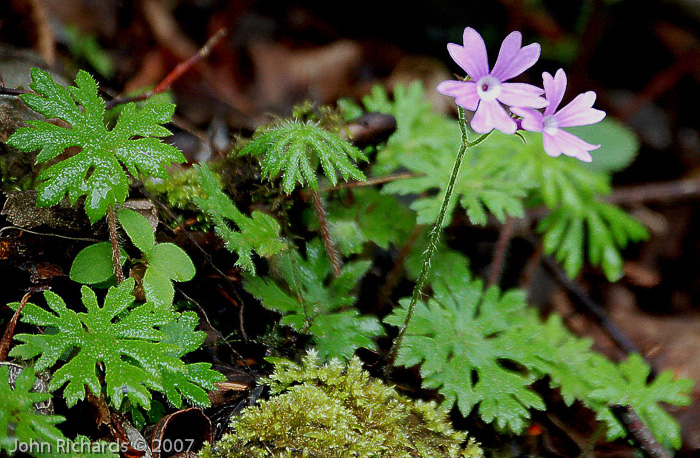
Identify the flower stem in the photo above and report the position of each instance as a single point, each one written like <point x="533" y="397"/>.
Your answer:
<point x="434" y="236"/>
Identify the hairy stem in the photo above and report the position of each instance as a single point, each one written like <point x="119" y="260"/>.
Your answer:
<point x="434" y="236"/>
<point x="320" y="211"/>
<point x="114" y="240"/>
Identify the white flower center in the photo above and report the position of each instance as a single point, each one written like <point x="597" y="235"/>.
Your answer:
<point x="549" y="125"/>
<point x="488" y="88"/>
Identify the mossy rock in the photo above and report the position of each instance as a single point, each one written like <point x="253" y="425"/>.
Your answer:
<point x="338" y="411"/>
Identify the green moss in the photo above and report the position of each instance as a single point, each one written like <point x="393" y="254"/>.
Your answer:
<point x="338" y="411"/>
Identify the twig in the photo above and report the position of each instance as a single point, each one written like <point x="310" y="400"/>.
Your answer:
<point x="656" y="192"/>
<point x="531" y="266"/>
<point x="639" y="432"/>
<point x="114" y="240"/>
<point x="46" y="41"/>
<point x="174" y="75"/>
<point x="580" y="297"/>
<point x="320" y="211"/>
<point x="501" y="250"/>
<point x="218" y="333"/>
<point x="10" y="328"/>
<point x="371" y="181"/>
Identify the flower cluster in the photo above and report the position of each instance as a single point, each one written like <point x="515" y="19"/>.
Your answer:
<point x="486" y="91"/>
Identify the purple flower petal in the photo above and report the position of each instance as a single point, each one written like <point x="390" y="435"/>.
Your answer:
<point x="568" y="144"/>
<point x="554" y="89"/>
<point x="522" y="95"/>
<point x="492" y="115"/>
<point x="579" y="112"/>
<point x="532" y="119"/>
<point x="472" y="56"/>
<point x="464" y="93"/>
<point x="450" y="87"/>
<point x="512" y="59"/>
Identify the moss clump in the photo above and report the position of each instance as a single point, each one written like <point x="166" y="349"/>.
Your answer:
<point x="337" y="411"/>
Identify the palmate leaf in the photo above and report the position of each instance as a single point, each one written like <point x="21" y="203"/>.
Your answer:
<point x="294" y="149"/>
<point x="19" y="420"/>
<point x="462" y="339"/>
<point x="258" y="233"/>
<point x="550" y="349"/>
<point x="193" y="382"/>
<point x="312" y="305"/>
<point x="129" y="346"/>
<point x="98" y="169"/>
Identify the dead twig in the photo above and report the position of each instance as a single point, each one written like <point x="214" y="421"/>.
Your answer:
<point x="174" y="75"/>
<point x="10" y="328"/>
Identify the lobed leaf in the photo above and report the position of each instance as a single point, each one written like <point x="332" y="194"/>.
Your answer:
<point x="97" y="170"/>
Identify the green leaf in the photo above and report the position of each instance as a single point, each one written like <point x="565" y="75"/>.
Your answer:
<point x="311" y="307"/>
<point x="619" y="145"/>
<point x="166" y="262"/>
<point x="138" y="229"/>
<point x="258" y="233"/>
<point x="463" y="340"/>
<point x="172" y="261"/>
<point x="604" y="228"/>
<point x="99" y="170"/>
<point x="19" y="420"/>
<point x="192" y="383"/>
<point x="94" y="264"/>
<point x="158" y="288"/>
<point x="426" y="143"/>
<point x="294" y="149"/>
<point x="127" y="346"/>
<point x="628" y="386"/>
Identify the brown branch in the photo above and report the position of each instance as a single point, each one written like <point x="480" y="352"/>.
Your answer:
<point x="371" y="181"/>
<point x="10" y="328"/>
<point x="639" y="432"/>
<point x="320" y="211"/>
<point x="583" y="300"/>
<point x="174" y="75"/>
<point x="501" y="250"/>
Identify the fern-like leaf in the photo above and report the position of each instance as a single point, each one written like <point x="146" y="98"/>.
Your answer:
<point x="311" y="307"/>
<point x="258" y="232"/>
<point x="98" y="169"/>
<point x="294" y="150"/>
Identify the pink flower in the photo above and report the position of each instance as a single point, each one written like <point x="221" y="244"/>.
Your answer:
<point x="487" y="89"/>
<point x="579" y="112"/>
